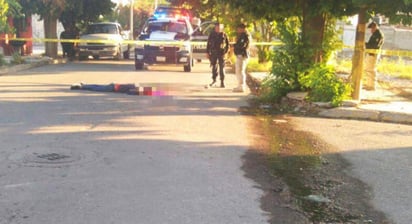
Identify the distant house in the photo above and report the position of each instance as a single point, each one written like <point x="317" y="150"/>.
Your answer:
<point x="23" y="28"/>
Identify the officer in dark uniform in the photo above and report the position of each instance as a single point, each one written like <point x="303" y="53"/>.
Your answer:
<point x="69" y="47"/>
<point x="375" y="42"/>
<point x="217" y="48"/>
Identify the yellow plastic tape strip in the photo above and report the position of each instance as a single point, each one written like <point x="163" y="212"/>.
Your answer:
<point x="400" y="53"/>
<point x="201" y="43"/>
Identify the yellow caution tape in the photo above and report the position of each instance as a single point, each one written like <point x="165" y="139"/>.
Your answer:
<point x="201" y="43"/>
<point x="400" y="53"/>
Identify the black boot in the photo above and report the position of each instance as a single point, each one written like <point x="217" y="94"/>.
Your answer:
<point x="213" y="82"/>
<point x="222" y="84"/>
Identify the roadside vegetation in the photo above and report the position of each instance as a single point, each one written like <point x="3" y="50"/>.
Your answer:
<point x="398" y="68"/>
<point x="2" y="60"/>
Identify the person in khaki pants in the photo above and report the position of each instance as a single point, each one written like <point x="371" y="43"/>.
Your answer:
<point x="375" y="43"/>
<point x="241" y="49"/>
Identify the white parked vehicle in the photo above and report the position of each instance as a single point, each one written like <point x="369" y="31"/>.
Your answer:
<point x="166" y="41"/>
<point x="199" y="39"/>
<point x="104" y="40"/>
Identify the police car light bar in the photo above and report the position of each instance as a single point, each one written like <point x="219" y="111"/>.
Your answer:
<point x="164" y="15"/>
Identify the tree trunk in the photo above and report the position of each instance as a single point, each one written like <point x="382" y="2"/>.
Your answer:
<point x="50" y="32"/>
<point x="359" y="55"/>
<point x="313" y="31"/>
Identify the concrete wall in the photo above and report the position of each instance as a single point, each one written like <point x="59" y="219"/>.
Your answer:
<point x="395" y="38"/>
<point x="38" y="29"/>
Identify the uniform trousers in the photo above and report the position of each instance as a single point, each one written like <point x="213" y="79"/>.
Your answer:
<point x="218" y="63"/>
<point x="369" y="79"/>
<point x="240" y="69"/>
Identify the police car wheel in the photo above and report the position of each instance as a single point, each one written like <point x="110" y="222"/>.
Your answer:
<point x="138" y="65"/>
<point x="188" y="66"/>
<point x="126" y="54"/>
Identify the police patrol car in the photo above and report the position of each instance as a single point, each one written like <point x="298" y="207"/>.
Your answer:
<point x="165" y="39"/>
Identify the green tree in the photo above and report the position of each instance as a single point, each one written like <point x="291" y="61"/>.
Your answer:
<point x="4" y="8"/>
<point x="8" y="8"/>
<point x="67" y="11"/>
<point x="83" y="13"/>
<point x="49" y="11"/>
<point x="316" y="16"/>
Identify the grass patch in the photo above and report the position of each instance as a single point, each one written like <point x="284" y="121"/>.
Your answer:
<point x="254" y="66"/>
<point x="395" y="68"/>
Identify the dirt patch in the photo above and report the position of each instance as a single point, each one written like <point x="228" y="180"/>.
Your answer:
<point x="303" y="179"/>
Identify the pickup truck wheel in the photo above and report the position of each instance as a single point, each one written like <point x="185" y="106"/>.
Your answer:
<point x="188" y="67"/>
<point x="96" y="57"/>
<point x="83" y="57"/>
<point x="119" y="54"/>
<point x="138" y="65"/>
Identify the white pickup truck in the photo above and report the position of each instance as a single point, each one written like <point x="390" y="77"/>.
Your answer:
<point x="104" y="40"/>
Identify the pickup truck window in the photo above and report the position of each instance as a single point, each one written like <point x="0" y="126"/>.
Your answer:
<point x="102" y="28"/>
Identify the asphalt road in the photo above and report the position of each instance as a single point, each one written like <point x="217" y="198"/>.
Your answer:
<point x="380" y="155"/>
<point x="88" y="157"/>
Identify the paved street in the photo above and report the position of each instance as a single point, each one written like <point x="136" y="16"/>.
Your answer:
<point x="71" y="156"/>
<point x="380" y="155"/>
<point x="87" y="157"/>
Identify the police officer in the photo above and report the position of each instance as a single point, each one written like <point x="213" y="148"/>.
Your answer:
<point x="375" y="43"/>
<point x="217" y="48"/>
<point x="68" y="47"/>
<point x="242" y="54"/>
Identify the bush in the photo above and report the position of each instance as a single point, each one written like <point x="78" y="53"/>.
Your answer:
<point x="294" y="68"/>
<point x="274" y="88"/>
<point x="17" y="59"/>
<point x="2" y="60"/>
<point x="324" y="86"/>
<point x="289" y="60"/>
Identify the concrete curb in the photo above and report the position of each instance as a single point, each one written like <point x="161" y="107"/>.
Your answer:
<point x="367" y="114"/>
<point x="30" y="65"/>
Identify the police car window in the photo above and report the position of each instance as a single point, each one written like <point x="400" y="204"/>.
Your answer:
<point x="167" y="26"/>
<point x="208" y="29"/>
<point x="177" y="27"/>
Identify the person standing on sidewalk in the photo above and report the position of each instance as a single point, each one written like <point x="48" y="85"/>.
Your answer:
<point x="217" y="48"/>
<point x="242" y="53"/>
<point x="375" y="43"/>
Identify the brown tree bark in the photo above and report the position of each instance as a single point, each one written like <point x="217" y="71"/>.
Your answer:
<point x="313" y="31"/>
<point x="359" y="55"/>
<point x="50" y="32"/>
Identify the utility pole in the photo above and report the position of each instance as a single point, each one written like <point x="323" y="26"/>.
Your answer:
<point x="131" y="19"/>
<point x="155" y="5"/>
<point x="359" y="55"/>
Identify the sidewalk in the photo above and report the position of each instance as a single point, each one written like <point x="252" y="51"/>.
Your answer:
<point x="381" y="105"/>
<point x="30" y="62"/>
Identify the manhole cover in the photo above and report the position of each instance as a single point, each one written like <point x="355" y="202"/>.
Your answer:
<point x="52" y="158"/>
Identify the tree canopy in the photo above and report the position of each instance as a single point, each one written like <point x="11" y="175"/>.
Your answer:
<point x="8" y="8"/>
<point x="85" y="12"/>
